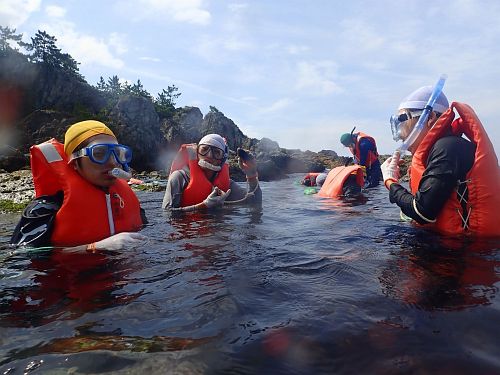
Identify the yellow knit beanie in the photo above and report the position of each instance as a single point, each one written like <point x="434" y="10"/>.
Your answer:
<point x="81" y="131"/>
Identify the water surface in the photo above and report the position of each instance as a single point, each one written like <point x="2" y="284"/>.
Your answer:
<point x="304" y="285"/>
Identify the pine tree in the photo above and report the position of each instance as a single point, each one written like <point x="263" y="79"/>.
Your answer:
<point x="101" y="85"/>
<point x="137" y="89"/>
<point x="7" y="34"/>
<point x="44" y="50"/>
<point x="114" y="87"/>
<point x="165" y="101"/>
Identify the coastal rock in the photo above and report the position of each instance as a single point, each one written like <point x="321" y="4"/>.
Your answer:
<point x="216" y="122"/>
<point x="40" y="101"/>
<point x="42" y="125"/>
<point x="12" y="159"/>
<point x="183" y="127"/>
<point x="266" y="145"/>
<point x="17" y="187"/>
<point x="136" y="123"/>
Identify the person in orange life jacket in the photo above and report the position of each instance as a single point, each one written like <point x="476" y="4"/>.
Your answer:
<point x="364" y="149"/>
<point x="447" y="161"/>
<point x="68" y="179"/>
<point x="314" y="179"/>
<point x="203" y="181"/>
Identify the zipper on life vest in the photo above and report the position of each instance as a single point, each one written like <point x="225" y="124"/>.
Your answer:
<point x="110" y="215"/>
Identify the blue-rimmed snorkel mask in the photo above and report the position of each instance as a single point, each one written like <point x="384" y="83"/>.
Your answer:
<point x="101" y="152"/>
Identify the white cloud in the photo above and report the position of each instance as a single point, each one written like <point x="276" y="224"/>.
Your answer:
<point x="277" y="106"/>
<point x="13" y="13"/>
<point x="190" y="11"/>
<point x="358" y="34"/>
<point x="234" y="44"/>
<point x="55" y="11"/>
<point x="86" y="49"/>
<point x="117" y="41"/>
<point x="317" y="77"/>
<point x="219" y="50"/>
<point x="295" y="50"/>
<point x="237" y="7"/>
<point x="152" y="59"/>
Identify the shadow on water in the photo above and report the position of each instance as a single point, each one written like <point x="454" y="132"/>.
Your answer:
<point x="302" y="285"/>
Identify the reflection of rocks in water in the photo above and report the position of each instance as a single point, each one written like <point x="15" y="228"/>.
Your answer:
<point x="440" y="280"/>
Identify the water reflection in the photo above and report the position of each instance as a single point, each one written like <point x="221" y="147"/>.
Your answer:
<point x="54" y="286"/>
<point x="439" y="273"/>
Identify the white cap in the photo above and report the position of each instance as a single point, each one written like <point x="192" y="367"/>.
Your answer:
<point x="418" y="100"/>
<point x="213" y="140"/>
<point x="320" y="179"/>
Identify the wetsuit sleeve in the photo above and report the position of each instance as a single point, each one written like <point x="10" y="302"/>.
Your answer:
<point x="365" y="146"/>
<point x="449" y="161"/>
<point x="37" y="221"/>
<point x="177" y="182"/>
<point x="238" y="192"/>
<point x="143" y="216"/>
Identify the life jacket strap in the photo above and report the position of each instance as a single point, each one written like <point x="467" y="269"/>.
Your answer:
<point x="463" y="202"/>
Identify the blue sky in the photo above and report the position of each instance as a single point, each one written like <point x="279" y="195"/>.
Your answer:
<point x="298" y="72"/>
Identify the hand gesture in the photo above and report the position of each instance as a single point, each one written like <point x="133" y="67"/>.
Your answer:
<point x="216" y="198"/>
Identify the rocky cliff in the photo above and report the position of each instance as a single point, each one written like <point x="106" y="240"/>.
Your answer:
<point x="39" y="102"/>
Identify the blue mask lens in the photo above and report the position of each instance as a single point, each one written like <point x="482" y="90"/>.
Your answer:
<point x="101" y="152"/>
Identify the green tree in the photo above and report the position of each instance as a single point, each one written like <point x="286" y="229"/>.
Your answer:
<point x="101" y="85"/>
<point x="165" y="101"/>
<point x="44" y="50"/>
<point x="7" y="34"/>
<point x="137" y="89"/>
<point x="214" y="110"/>
<point x="114" y="87"/>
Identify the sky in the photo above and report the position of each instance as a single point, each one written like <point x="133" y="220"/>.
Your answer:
<point x="300" y="72"/>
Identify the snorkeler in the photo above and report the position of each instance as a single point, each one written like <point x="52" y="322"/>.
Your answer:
<point x="199" y="177"/>
<point x="364" y="149"/>
<point x="80" y="205"/>
<point x="453" y="180"/>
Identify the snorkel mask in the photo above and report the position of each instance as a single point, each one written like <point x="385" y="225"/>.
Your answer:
<point x="101" y="152"/>
<point x="217" y="147"/>
<point x="397" y="121"/>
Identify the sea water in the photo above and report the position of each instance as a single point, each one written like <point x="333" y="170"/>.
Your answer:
<point x="303" y="285"/>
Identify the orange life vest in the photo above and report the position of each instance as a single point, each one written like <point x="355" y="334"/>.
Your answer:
<point x="482" y="181"/>
<point x="332" y="187"/>
<point x="199" y="187"/>
<point x="311" y="177"/>
<point x="87" y="214"/>
<point x="372" y="156"/>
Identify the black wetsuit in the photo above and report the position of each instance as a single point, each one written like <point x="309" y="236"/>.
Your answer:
<point x="449" y="161"/>
<point x="37" y="221"/>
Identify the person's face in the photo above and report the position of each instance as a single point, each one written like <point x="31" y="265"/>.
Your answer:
<point x="351" y="148"/>
<point x="211" y="154"/>
<point x="408" y="125"/>
<point x="97" y="174"/>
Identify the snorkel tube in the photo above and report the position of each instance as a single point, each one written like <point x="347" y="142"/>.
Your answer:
<point x="120" y="173"/>
<point x="423" y="117"/>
